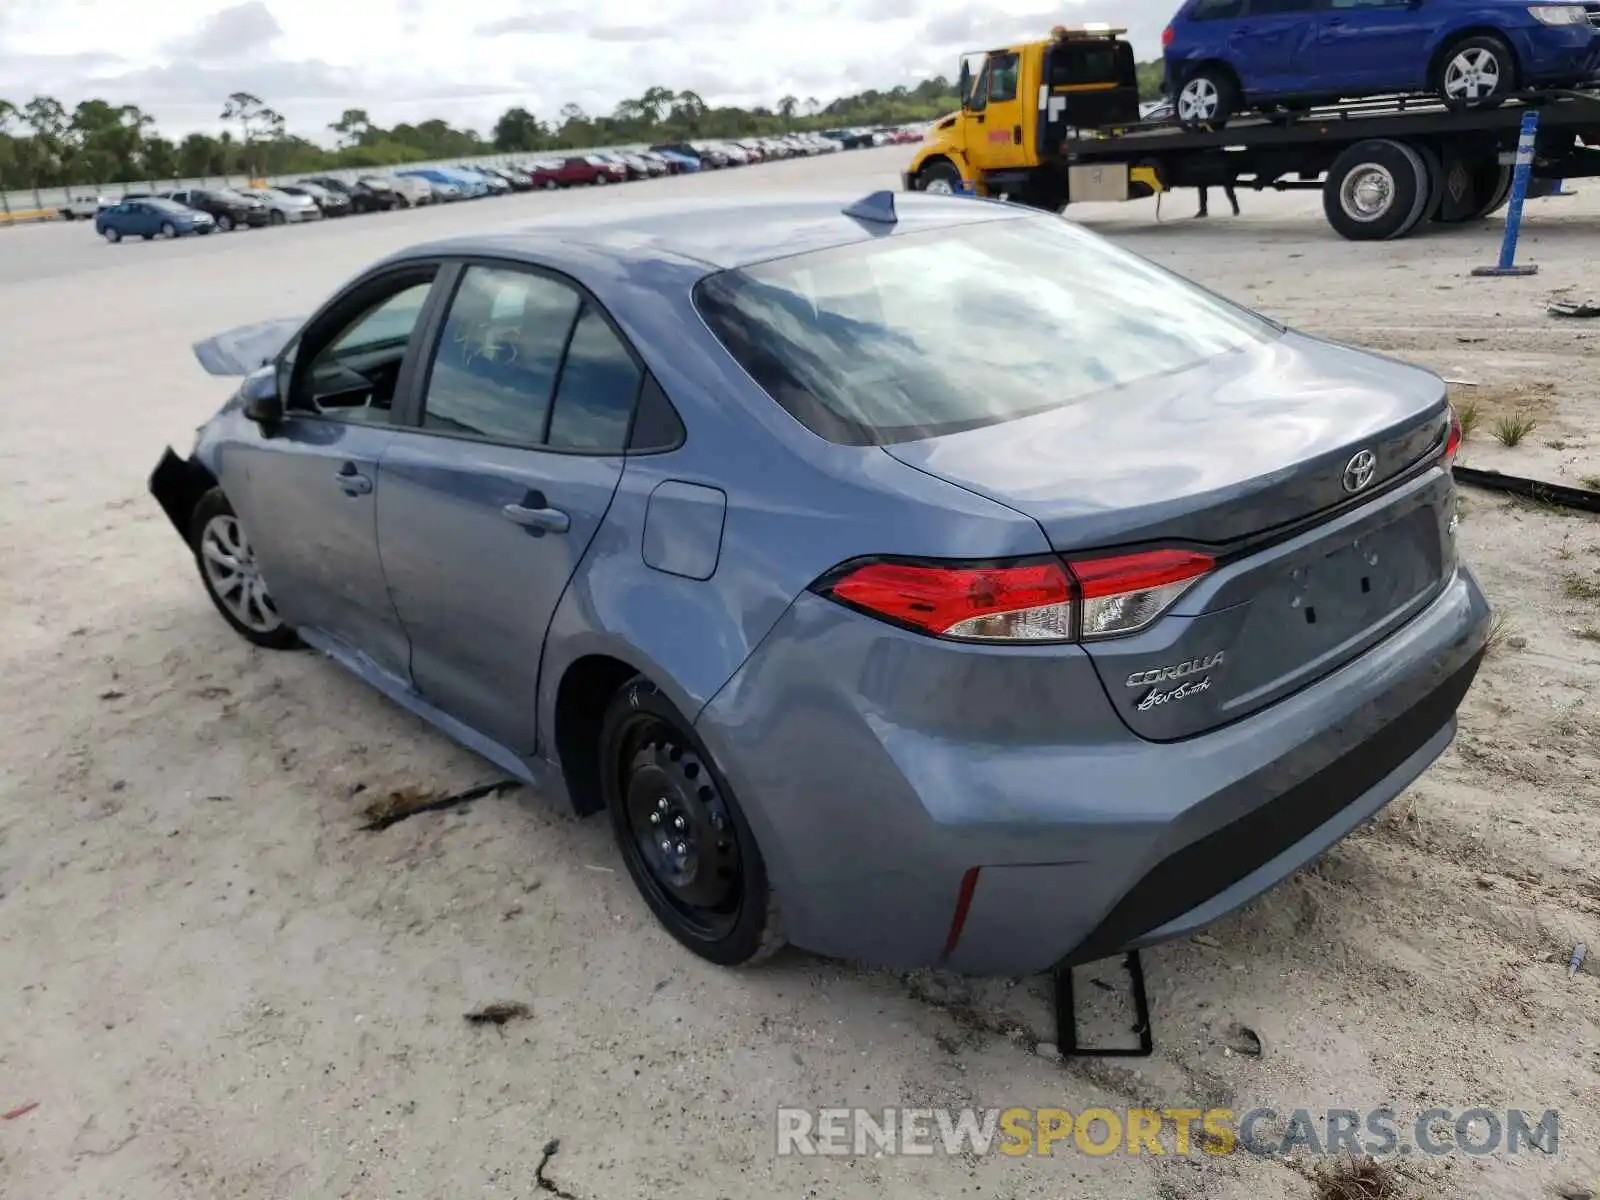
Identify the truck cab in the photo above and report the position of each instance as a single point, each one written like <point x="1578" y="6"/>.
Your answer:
<point x="1020" y="107"/>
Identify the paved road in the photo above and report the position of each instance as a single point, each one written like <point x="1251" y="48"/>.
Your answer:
<point x="63" y="248"/>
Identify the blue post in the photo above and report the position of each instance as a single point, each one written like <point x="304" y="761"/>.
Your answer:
<point x="1519" y="193"/>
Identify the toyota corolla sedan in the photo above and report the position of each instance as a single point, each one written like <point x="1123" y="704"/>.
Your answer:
<point x="1059" y="608"/>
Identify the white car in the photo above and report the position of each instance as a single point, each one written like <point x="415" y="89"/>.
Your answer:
<point x="285" y="208"/>
<point x="412" y="190"/>
<point x="85" y="208"/>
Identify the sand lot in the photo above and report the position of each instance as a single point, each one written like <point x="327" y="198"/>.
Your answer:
<point x="215" y="984"/>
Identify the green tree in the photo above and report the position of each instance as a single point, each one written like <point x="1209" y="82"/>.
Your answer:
<point x="257" y="123"/>
<point x="354" y="127"/>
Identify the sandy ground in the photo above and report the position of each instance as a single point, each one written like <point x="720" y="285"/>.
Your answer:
<point x="214" y="984"/>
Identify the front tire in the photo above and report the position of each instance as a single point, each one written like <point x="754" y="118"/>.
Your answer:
<point x="277" y="218"/>
<point x="1476" y="72"/>
<point x="228" y="570"/>
<point x="112" y="235"/>
<point x="168" y="230"/>
<point x="224" y="224"/>
<point x="682" y="834"/>
<point x="940" y="179"/>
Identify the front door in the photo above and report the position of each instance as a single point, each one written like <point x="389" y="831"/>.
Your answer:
<point x="308" y="494"/>
<point x="1274" y="47"/>
<point x="1375" y="43"/>
<point x="995" y="140"/>
<point x="492" y="495"/>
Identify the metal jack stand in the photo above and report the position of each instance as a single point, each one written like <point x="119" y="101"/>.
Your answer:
<point x="1067" y="1016"/>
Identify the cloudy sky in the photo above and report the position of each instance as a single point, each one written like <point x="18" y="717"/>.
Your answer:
<point x="469" y="60"/>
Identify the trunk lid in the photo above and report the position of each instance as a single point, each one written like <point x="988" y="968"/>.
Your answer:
<point x="1261" y="457"/>
<point x="247" y="348"/>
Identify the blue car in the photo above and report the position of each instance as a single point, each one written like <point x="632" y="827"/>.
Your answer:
<point x="1225" y="56"/>
<point x="721" y="522"/>
<point x="680" y="162"/>
<point x="151" y="217"/>
<point x="466" y="185"/>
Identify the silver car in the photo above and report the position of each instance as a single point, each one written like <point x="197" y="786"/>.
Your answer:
<point x="286" y="208"/>
<point x="1056" y="610"/>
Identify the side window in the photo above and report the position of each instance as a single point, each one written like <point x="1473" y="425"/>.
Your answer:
<point x="498" y="355"/>
<point x="354" y="375"/>
<point x="1003" y="78"/>
<point x="1216" y="10"/>
<point x="1278" y="8"/>
<point x="598" y="388"/>
<point x="980" y="90"/>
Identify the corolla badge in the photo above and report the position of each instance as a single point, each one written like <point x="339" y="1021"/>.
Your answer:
<point x="1191" y="677"/>
<point x="1183" y="670"/>
<point x="1360" y="471"/>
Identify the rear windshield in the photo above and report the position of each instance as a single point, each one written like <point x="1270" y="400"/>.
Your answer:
<point x="932" y="333"/>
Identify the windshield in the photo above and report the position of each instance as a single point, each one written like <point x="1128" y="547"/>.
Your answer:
<point x="933" y="333"/>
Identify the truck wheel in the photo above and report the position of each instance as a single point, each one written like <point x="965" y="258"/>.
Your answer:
<point x="1209" y="97"/>
<point x="225" y="223"/>
<point x="1476" y="72"/>
<point x="940" y="179"/>
<point x="1376" y="190"/>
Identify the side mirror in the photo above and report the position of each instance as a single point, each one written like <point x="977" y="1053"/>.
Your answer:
<point x="262" y="403"/>
<point x="966" y="83"/>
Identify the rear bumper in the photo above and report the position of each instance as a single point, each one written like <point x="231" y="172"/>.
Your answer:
<point x="877" y="768"/>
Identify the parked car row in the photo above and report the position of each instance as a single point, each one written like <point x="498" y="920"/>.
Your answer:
<point x="182" y="211"/>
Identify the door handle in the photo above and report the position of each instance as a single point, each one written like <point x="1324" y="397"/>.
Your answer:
<point x="352" y="481"/>
<point x="980" y="118"/>
<point x="1016" y="135"/>
<point x="537" y="520"/>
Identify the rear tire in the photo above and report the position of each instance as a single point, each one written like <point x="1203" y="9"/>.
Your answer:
<point x="225" y="224"/>
<point x="1208" y="98"/>
<point x="1476" y="72"/>
<point x="1377" y="190"/>
<point x="277" y="218"/>
<point x="940" y="178"/>
<point x="168" y="230"/>
<point x="681" y="833"/>
<point x="228" y="572"/>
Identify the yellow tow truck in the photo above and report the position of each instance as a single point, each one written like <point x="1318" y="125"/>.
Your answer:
<point x="1023" y="108"/>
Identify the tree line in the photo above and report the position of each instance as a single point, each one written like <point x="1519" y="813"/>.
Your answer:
<point x="43" y="144"/>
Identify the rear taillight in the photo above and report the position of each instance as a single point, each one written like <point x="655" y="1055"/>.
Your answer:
<point x="1166" y="37"/>
<point x="1017" y="602"/>
<point x="1452" y="442"/>
<point x="1035" y="600"/>
<point x="1124" y="593"/>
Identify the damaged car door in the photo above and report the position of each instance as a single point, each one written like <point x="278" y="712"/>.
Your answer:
<point x="308" y="486"/>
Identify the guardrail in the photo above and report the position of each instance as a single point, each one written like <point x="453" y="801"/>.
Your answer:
<point x="31" y="205"/>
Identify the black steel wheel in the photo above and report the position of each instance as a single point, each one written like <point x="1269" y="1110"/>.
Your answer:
<point x="682" y="834"/>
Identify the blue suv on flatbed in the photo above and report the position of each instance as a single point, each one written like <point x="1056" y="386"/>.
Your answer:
<point x="1223" y="56"/>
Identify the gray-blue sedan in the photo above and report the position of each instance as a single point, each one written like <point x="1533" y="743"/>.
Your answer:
<point x="919" y="579"/>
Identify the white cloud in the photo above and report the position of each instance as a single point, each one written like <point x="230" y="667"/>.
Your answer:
<point x="406" y="60"/>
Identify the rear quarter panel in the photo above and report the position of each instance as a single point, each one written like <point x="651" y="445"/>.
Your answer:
<point x="796" y="507"/>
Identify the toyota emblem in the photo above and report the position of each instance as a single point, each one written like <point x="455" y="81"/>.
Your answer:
<point x="1360" y="471"/>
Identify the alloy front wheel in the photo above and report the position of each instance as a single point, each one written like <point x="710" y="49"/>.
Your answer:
<point x="232" y="576"/>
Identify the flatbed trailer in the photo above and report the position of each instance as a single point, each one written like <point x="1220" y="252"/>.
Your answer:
<point x="1385" y="167"/>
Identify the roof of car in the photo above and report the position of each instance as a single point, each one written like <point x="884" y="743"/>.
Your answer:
<point x="719" y="235"/>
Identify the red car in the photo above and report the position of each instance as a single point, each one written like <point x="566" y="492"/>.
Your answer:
<point x="570" y="172"/>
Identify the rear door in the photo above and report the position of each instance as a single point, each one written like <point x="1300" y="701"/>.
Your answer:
<point x="1374" y="43"/>
<point x="1273" y="46"/>
<point x="308" y="494"/>
<point x="494" y="492"/>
